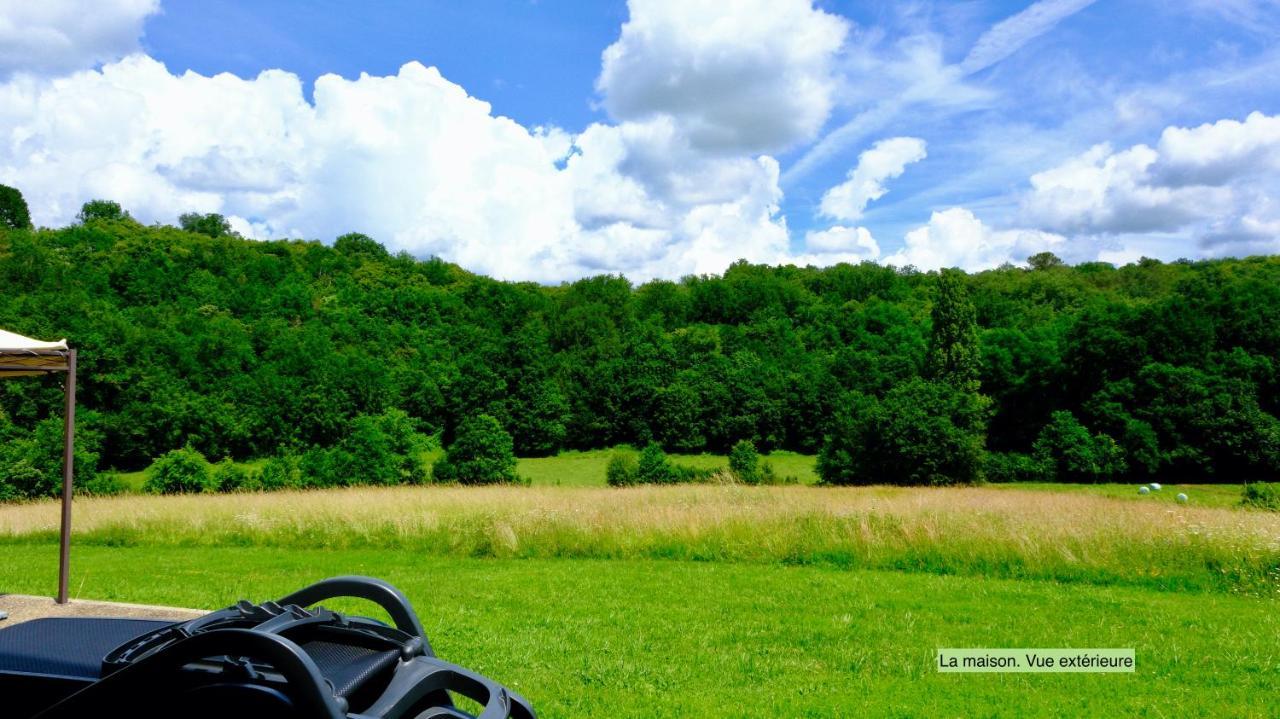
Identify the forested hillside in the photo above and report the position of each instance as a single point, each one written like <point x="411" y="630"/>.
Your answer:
<point x="248" y="349"/>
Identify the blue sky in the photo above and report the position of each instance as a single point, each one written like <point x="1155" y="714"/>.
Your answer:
<point x="535" y="61"/>
<point x="931" y="134"/>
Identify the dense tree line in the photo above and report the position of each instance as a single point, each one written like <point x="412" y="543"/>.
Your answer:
<point x="197" y="338"/>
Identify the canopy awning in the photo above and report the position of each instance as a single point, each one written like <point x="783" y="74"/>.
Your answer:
<point x="22" y="356"/>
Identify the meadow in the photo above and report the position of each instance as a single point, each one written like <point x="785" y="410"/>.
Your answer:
<point x="730" y="600"/>
<point x="637" y="638"/>
<point x="587" y="468"/>
<point x="580" y="468"/>
<point x="1060" y="536"/>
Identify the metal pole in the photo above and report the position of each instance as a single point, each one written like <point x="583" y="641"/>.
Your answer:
<point x="68" y="471"/>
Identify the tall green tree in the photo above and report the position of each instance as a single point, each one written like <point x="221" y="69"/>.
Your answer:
<point x="1072" y="454"/>
<point x="286" y="348"/>
<point x="954" y="355"/>
<point x="211" y="224"/>
<point x="1044" y="261"/>
<point x="101" y="210"/>
<point x="14" y="213"/>
<point x="919" y="433"/>
<point x="480" y="454"/>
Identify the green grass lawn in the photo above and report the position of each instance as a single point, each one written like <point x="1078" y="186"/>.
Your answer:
<point x="1203" y="495"/>
<point x="134" y="481"/>
<point x="586" y="469"/>
<point x="580" y="469"/>
<point x="621" y="638"/>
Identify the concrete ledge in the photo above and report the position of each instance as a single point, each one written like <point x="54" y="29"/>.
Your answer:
<point x="24" y="607"/>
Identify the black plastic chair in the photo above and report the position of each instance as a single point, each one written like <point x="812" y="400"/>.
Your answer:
<point x="281" y="659"/>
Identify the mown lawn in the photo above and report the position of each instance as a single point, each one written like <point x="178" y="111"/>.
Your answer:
<point x="1201" y="495"/>
<point x="581" y="469"/>
<point x="587" y="469"/>
<point x="134" y="481"/>
<point x="625" y="638"/>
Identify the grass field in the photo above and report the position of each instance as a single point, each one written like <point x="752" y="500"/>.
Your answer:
<point x="583" y="469"/>
<point x="724" y="600"/>
<point x="587" y="469"/>
<point x="627" y="638"/>
<point x="134" y="481"/>
<point x="979" y="531"/>
<point x="1202" y="495"/>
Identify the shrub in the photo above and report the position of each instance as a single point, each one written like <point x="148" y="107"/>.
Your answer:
<point x="404" y="443"/>
<point x="231" y="477"/>
<point x="102" y="485"/>
<point x="1014" y="467"/>
<point x="481" y="453"/>
<point x="622" y="470"/>
<point x="921" y="432"/>
<point x="31" y="461"/>
<point x="653" y="467"/>
<point x="375" y="449"/>
<point x="19" y="479"/>
<point x="744" y="462"/>
<point x="684" y="474"/>
<point x="1070" y="454"/>
<point x="180" y="471"/>
<point x="321" y="467"/>
<point x="365" y="455"/>
<point x="769" y="476"/>
<point x="1262" y="495"/>
<point x="281" y="473"/>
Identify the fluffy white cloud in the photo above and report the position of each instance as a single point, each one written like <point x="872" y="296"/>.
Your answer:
<point x="956" y="238"/>
<point x="1220" y="152"/>
<point x="1106" y="191"/>
<point x="653" y="206"/>
<point x="838" y="244"/>
<point x="1217" y="181"/>
<point x="410" y="159"/>
<point x="885" y="160"/>
<point x="677" y="186"/>
<point x="754" y="76"/>
<point x="57" y="36"/>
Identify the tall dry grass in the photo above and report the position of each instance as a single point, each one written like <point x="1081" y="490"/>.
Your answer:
<point x="1004" y="533"/>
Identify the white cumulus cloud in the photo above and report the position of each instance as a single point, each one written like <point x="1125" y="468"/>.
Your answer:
<point x="1217" y="181"/>
<point x="838" y="244"/>
<point x="956" y="238"/>
<point x="654" y="206"/>
<point x="681" y="183"/>
<point x="410" y="159"/>
<point x="885" y="160"/>
<point x="59" y="36"/>
<point x="749" y="76"/>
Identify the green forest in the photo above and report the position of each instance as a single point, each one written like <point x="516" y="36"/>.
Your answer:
<point x="192" y="337"/>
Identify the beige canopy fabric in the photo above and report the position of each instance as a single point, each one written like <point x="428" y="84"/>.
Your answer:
<point x="22" y="356"/>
